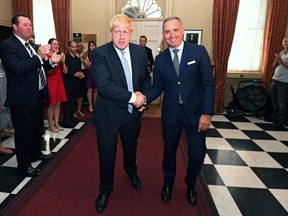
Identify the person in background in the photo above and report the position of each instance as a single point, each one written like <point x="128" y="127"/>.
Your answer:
<point x="25" y="70"/>
<point x="5" y="115"/>
<point x="279" y="87"/>
<point x="71" y="83"/>
<point x="56" y="90"/>
<point x="82" y="82"/>
<point x="183" y="72"/>
<point x="143" y="42"/>
<point x="91" y="88"/>
<point x="114" y="66"/>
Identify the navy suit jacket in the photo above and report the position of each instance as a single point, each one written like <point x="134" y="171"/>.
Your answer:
<point x="22" y="73"/>
<point x="109" y="77"/>
<point x="195" y="83"/>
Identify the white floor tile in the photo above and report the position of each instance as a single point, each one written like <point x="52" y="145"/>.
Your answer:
<point x="60" y="145"/>
<point x="207" y="160"/>
<point x="3" y="196"/>
<point x="217" y="143"/>
<point x="254" y="119"/>
<point x="258" y="159"/>
<point x="247" y="126"/>
<point x="21" y="185"/>
<point x="224" y="201"/>
<point x="220" y="118"/>
<point x="272" y="146"/>
<point x="12" y="162"/>
<point x="239" y="176"/>
<point x="279" y="135"/>
<point x="233" y="134"/>
<point x="282" y="196"/>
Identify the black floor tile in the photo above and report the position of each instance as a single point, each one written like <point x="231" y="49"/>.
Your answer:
<point x="224" y="125"/>
<point x="245" y="145"/>
<point x="272" y="178"/>
<point x="258" y="135"/>
<point x="256" y="202"/>
<point x="237" y="118"/>
<point x="225" y="157"/>
<point x="211" y="132"/>
<point x="211" y="175"/>
<point x="281" y="158"/>
<point x="10" y="179"/>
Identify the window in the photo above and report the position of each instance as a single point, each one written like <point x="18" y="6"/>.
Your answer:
<point x="247" y="47"/>
<point x="142" y="9"/>
<point x="43" y="21"/>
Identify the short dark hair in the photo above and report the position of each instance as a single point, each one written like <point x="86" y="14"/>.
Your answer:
<point x="143" y="36"/>
<point x="15" y="18"/>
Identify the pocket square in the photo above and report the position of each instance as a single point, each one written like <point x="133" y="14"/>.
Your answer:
<point x="191" y="62"/>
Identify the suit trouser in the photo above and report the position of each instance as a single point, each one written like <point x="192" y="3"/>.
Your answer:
<point x="196" y="150"/>
<point x="28" y="123"/>
<point x="107" y="146"/>
<point x="69" y="105"/>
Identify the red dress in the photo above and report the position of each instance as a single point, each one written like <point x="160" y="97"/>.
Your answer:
<point x="55" y="84"/>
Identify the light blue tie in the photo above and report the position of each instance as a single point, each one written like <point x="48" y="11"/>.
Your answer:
<point x="128" y="76"/>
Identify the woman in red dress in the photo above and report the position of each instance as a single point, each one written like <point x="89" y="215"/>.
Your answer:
<point x="56" y="90"/>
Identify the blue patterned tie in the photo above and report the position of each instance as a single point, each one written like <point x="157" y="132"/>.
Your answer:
<point x="128" y="76"/>
<point x="40" y="71"/>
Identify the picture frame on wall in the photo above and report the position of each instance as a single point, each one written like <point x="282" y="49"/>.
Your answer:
<point x="193" y="36"/>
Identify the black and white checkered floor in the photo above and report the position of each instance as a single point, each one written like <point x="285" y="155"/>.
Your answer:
<point x="246" y="168"/>
<point x="11" y="181"/>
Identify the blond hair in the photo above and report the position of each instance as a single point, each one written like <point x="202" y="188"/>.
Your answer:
<point x="121" y="19"/>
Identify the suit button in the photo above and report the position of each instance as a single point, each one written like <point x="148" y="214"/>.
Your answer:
<point x="179" y="83"/>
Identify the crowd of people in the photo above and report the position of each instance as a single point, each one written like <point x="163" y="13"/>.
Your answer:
<point x="29" y="74"/>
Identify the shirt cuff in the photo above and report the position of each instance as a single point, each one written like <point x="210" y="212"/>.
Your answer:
<point x="133" y="98"/>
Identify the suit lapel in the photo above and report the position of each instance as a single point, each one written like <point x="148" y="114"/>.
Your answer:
<point x="169" y="62"/>
<point x="21" y="47"/>
<point x="134" y="63"/>
<point x="116" y="62"/>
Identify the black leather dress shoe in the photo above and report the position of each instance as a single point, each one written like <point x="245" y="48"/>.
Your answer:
<point x="191" y="197"/>
<point x="101" y="203"/>
<point x="43" y="157"/>
<point x="166" y="194"/>
<point x="31" y="172"/>
<point x="136" y="182"/>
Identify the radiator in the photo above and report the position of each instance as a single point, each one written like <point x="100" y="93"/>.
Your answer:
<point x="228" y="97"/>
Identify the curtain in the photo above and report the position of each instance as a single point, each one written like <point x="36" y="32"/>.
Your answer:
<point x="23" y="6"/>
<point x="277" y="21"/>
<point x="224" y="24"/>
<point x="61" y="13"/>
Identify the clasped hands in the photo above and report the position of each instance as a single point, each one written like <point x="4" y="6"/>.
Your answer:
<point x="140" y="100"/>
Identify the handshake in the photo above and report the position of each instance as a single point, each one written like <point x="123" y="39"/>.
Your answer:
<point x="140" y="101"/>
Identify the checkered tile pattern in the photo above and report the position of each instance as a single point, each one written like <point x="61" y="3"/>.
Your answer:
<point x="11" y="180"/>
<point x="246" y="166"/>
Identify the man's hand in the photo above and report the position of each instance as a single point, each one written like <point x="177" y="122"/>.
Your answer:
<point x="140" y="99"/>
<point x="204" y="122"/>
<point x="42" y="50"/>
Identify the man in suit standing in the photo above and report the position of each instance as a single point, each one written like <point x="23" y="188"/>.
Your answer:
<point x="120" y="72"/>
<point x="143" y="41"/>
<point x="25" y="82"/>
<point x="183" y="72"/>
